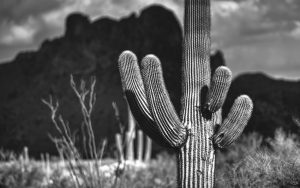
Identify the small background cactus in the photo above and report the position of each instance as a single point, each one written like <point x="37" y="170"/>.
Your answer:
<point x="127" y="144"/>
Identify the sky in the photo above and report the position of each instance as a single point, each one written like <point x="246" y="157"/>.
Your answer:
<point x="255" y="35"/>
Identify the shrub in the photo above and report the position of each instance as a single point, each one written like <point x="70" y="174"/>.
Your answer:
<point x="275" y="166"/>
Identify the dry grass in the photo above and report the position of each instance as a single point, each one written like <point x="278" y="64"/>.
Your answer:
<point x="275" y="166"/>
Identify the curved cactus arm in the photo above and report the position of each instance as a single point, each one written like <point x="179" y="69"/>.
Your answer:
<point x="219" y="88"/>
<point x="234" y="124"/>
<point x="160" y="104"/>
<point x="133" y="88"/>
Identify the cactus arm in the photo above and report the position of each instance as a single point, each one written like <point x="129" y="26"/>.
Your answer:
<point x="234" y="124"/>
<point x="219" y="88"/>
<point x="160" y="104"/>
<point x="133" y="88"/>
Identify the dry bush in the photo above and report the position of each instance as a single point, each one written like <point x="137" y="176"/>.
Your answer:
<point x="85" y="174"/>
<point x="276" y="166"/>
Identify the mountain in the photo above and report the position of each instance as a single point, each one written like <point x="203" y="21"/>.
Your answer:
<point x="87" y="48"/>
<point x="276" y="102"/>
<point x="92" y="48"/>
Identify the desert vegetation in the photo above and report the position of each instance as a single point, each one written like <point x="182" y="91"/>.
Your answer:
<point x="250" y="162"/>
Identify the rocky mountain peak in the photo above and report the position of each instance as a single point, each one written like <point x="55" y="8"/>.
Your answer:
<point x="76" y="24"/>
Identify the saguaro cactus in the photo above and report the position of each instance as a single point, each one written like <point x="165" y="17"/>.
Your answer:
<point x="199" y="130"/>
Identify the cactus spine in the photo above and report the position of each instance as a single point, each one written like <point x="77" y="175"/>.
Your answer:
<point x="199" y="130"/>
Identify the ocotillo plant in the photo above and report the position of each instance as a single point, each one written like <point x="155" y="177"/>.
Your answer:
<point x="199" y="130"/>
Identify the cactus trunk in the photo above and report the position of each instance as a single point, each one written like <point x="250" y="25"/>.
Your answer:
<point x="193" y="171"/>
<point x="140" y="146"/>
<point x="196" y="159"/>
<point x="199" y="130"/>
<point x="119" y="145"/>
<point x="129" y="146"/>
<point x="148" y="150"/>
